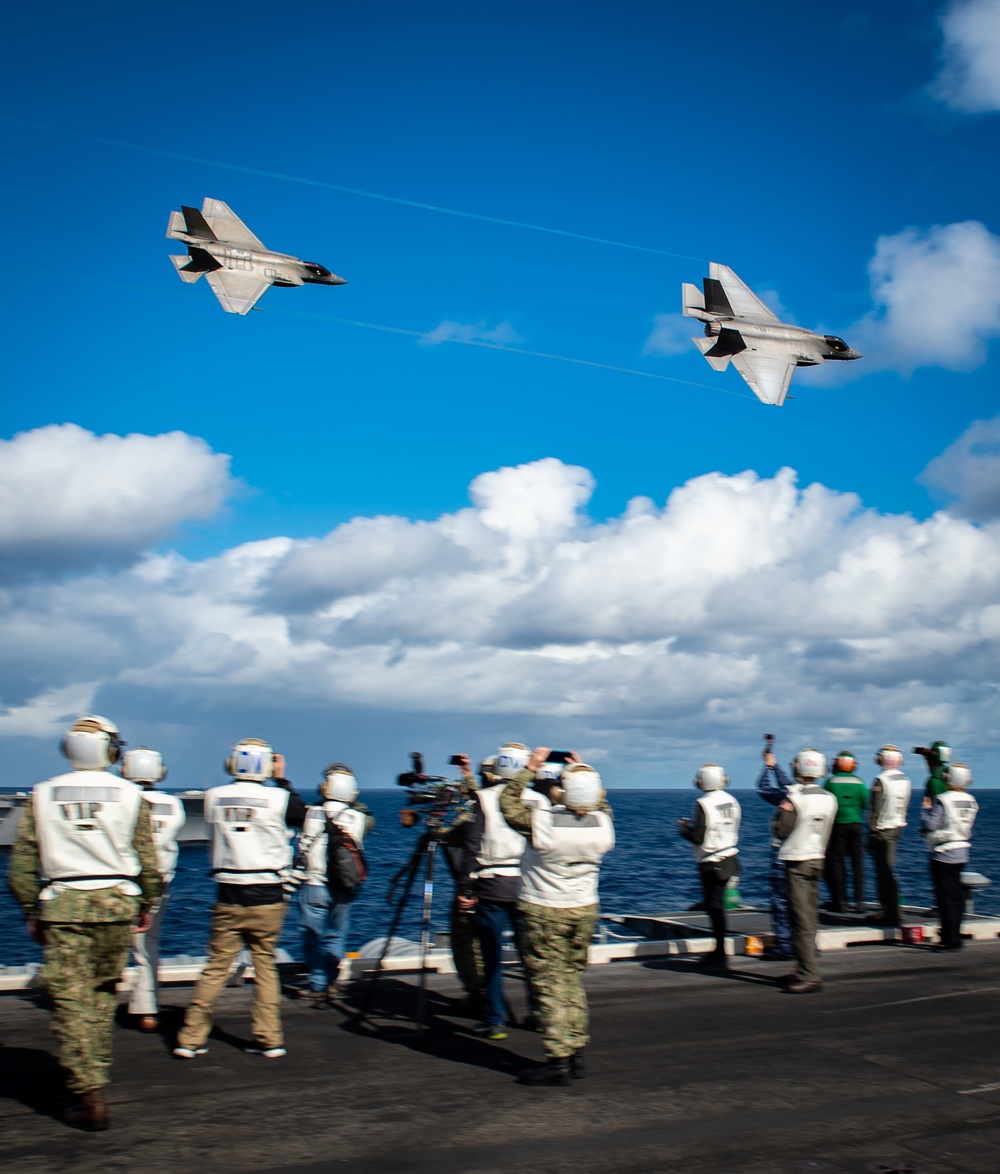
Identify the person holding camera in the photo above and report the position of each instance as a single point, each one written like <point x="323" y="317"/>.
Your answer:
<point x="946" y="822"/>
<point x="325" y="898"/>
<point x="83" y="868"/>
<point x="845" y="840"/>
<point x="250" y="824"/>
<point x="714" y="833"/>
<point x="937" y="756"/>
<point x="773" y="786"/>
<point x="802" y="824"/>
<point x="566" y="843"/>
<point x="890" y="798"/>
<point x="488" y="881"/>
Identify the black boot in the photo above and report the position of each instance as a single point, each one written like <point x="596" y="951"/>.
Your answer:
<point x="578" y="1065"/>
<point x="553" y="1071"/>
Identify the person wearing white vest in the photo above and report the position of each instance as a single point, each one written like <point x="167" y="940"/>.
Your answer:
<point x="83" y="869"/>
<point x="325" y="912"/>
<point x="559" y="902"/>
<point x="803" y="824"/>
<point x="488" y="881"/>
<point x="250" y="825"/>
<point x="714" y="835"/>
<point x="946" y="823"/>
<point x="890" y="798"/>
<point x="145" y="768"/>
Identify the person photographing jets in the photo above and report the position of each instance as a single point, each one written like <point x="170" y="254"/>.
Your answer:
<point x="946" y="822"/>
<point x="251" y="853"/>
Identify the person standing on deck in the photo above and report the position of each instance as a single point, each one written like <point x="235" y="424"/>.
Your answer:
<point x="83" y="869"/>
<point x="714" y="833"/>
<point x="145" y="768"/>
<point x="947" y="826"/>
<point x="890" y="798"/>
<point x="845" y="841"/>
<point x="559" y="880"/>
<point x="772" y="786"/>
<point x="251" y="853"/>
<point x="803" y="824"/>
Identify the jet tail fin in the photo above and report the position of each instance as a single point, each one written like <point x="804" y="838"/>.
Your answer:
<point x="716" y="362"/>
<point x="692" y="301"/>
<point x="197" y="262"/>
<point x="197" y="225"/>
<point x="185" y="274"/>
<point x="176" y="228"/>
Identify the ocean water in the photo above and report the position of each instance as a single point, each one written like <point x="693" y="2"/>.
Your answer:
<point x="650" y="870"/>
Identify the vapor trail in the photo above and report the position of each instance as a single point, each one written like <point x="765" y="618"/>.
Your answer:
<point x="336" y="187"/>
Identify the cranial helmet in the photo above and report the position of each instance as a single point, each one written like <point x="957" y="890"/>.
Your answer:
<point x="889" y="757"/>
<point x="845" y="762"/>
<point x="549" y="772"/>
<point x="512" y="758"/>
<point x="809" y="764"/>
<point x="581" y="787"/>
<point x="943" y="752"/>
<point x="143" y="765"/>
<point x="711" y="777"/>
<point x="339" y="783"/>
<point x="487" y="769"/>
<point x="251" y="759"/>
<point x="92" y="743"/>
<point x="957" y="775"/>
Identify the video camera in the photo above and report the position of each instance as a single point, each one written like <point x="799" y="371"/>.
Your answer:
<point x="436" y="791"/>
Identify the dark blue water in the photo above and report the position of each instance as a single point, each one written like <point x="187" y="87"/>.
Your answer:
<point x="651" y="870"/>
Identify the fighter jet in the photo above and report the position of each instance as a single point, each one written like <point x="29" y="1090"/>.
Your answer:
<point x="739" y="327"/>
<point x="240" y="267"/>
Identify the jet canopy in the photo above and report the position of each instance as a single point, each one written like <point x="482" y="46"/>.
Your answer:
<point x="318" y="270"/>
<point x="835" y="343"/>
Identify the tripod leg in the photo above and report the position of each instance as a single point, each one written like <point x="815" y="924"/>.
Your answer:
<point x="425" y="933"/>
<point x="411" y="869"/>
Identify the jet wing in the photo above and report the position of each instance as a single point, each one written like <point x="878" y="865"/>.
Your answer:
<point x="768" y="376"/>
<point x="227" y="226"/>
<point x="238" y="292"/>
<point x="744" y="301"/>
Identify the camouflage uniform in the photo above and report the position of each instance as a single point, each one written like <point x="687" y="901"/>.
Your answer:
<point x="465" y="951"/>
<point x="555" y="946"/>
<point x="87" y="940"/>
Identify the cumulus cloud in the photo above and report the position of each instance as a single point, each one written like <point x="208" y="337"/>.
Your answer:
<point x="688" y="623"/>
<point x="970" y="77"/>
<point x="48" y="714"/>
<point x="671" y="335"/>
<point x="969" y="472"/>
<point x="71" y="499"/>
<point x="937" y="299"/>
<point x="448" y="331"/>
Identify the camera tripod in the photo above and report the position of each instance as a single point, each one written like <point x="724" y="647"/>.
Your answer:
<point x="423" y="854"/>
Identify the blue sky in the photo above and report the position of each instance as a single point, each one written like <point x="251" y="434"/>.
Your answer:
<point x="786" y="147"/>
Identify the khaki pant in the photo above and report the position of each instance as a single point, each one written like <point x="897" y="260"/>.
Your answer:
<point x="235" y="926"/>
<point x="803" y="902"/>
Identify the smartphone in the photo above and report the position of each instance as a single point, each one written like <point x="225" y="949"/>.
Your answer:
<point x="456" y="760"/>
<point x="559" y="756"/>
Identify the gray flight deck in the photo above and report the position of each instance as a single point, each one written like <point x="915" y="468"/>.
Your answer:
<point x="895" y="1066"/>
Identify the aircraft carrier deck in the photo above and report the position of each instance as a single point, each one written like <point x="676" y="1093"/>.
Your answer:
<point x="894" y="1066"/>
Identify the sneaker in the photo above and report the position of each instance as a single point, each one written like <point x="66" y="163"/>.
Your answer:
<point x="189" y="1053"/>
<point x="491" y="1030"/>
<point x="267" y="1053"/>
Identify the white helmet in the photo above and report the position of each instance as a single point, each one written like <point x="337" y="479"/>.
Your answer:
<point x="92" y="743"/>
<point x="251" y="759"/>
<point x="957" y="775"/>
<point x="339" y="783"/>
<point x="549" y="772"/>
<point x="889" y="757"/>
<point x="142" y="765"/>
<point x="581" y="787"/>
<point x="512" y="758"/>
<point x="711" y="777"/>
<point x="809" y="764"/>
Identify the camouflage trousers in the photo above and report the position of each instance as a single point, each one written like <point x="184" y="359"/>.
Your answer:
<point x="555" y="946"/>
<point x="465" y="950"/>
<point x="83" y="963"/>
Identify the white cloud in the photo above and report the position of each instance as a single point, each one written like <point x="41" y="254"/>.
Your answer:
<point x="969" y="471"/>
<point x="48" y="714"/>
<point x="970" y="77"/>
<point x="502" y="335"/>
<point x="70" y="499"/>
<point x="937" y="299"/>
<point x="682" y="625"/>
<point x="671" y="335"/>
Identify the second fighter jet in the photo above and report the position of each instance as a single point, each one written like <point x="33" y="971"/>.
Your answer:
<point x="740" y="329"/>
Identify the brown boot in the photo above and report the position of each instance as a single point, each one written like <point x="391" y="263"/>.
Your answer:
<point x="89" y="1111"/>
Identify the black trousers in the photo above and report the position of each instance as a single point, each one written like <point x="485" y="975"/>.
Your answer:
<point x="845" y="841"/>
<point x="713" y="885"/>
<point x="882" y="847"/>
<point x="950" y="894"/>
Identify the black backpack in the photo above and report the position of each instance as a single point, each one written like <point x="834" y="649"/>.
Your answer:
<point x="346" y="867"/>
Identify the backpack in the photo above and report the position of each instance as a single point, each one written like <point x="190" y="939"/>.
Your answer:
<point x="346" y="867"/>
